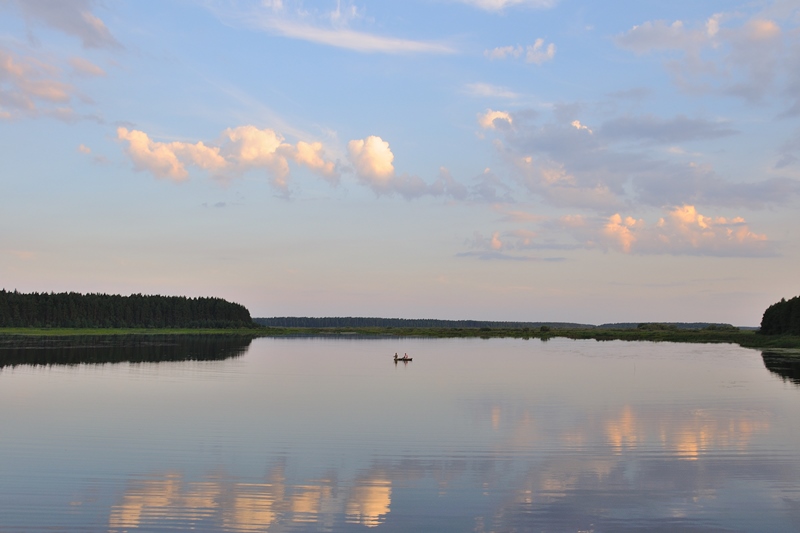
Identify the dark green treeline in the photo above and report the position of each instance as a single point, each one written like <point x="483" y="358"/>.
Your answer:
<point x="75" y="310"/>
<point x="782" y="318"/>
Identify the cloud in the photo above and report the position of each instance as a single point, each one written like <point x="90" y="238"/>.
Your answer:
<point x="503" y="52"/>
<point x="539" y="53"/>
<point x="372" y="159"/>
<point x="248" y="147"/>
<point x="487" y="90"/>
<point x="353" y="40"/>
<point x="748" y="61"/>
<point x="661" y="35"/>
<point x="681" y="231"/>
<point x="73" y="17"/>
<point x="373" y="162"/>
<point x="500" y="5"/>
<point x="312" y="155"/>
<point x="570" y="164"/>
<point x="578" y="126"/>
<point x="789" y="151"/>
<point x="245" y="148"/>
<point x="522" y="216"/>
<point x="446" y="185"/>
<point x="656" y="129"/>
<point x="491" y="120"/>
<point x="329" y="28"/>
<point x="675" y="184"/>
<point x="82" y="148"/>
<point x="31" y="87"/>
<point x="237" y="151"/>
<point x="154" y="157"/>
<point x="512" y="245"/>
<point x="536" y="53"/>
<point x="85" y="67"/>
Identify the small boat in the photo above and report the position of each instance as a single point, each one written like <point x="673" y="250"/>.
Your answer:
<point x="404" y="359"/>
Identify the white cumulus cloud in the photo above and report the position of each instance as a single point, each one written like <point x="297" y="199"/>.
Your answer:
<point x="372" y="159"/>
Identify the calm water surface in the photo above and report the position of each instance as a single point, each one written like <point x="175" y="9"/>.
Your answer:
<point x="472" y="435"/>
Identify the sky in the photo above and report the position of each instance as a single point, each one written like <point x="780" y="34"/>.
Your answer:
<point x="527" y="160"/>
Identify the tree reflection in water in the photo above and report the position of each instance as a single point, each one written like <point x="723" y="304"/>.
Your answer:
<point x="787" y="366"/>
<point x="45" y="351"/>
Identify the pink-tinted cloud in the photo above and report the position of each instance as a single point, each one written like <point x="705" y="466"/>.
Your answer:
<point x="73" y="17"/>
<point x="30" y="87"/>
<point x="492" y="120"/>
<point x="238" y="150"/>
<point x="84" y="67"/>
<point x="681" y="231"/>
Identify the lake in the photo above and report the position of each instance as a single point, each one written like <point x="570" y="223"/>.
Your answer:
<point x="313" y="434"/>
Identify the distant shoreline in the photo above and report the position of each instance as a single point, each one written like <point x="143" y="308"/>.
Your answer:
<point x="744" y="338"/>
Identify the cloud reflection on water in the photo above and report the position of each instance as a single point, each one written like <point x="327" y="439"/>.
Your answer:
<point x="228" y="504"/>
<point x="618" y="461"/>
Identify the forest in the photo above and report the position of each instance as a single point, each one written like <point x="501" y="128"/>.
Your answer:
<point x="782" y="318"/>
<point x="76" y="310"/>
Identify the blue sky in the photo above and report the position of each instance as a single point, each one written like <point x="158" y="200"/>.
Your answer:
<point x="455" y="159"/>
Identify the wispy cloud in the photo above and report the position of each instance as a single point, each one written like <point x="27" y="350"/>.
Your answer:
<point x="501" y="5"/>
<point x="73" y="17"/>
<point x="537" y="53"/>
<point x="34" y="87"/>
<point x="84" y="67"/>
<point x="750" y="60"/>
<point x="329" y="28"/>
<point x="487" y="90"/>
<point x="677" y="129"/>
<point x="351" y="39"/>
